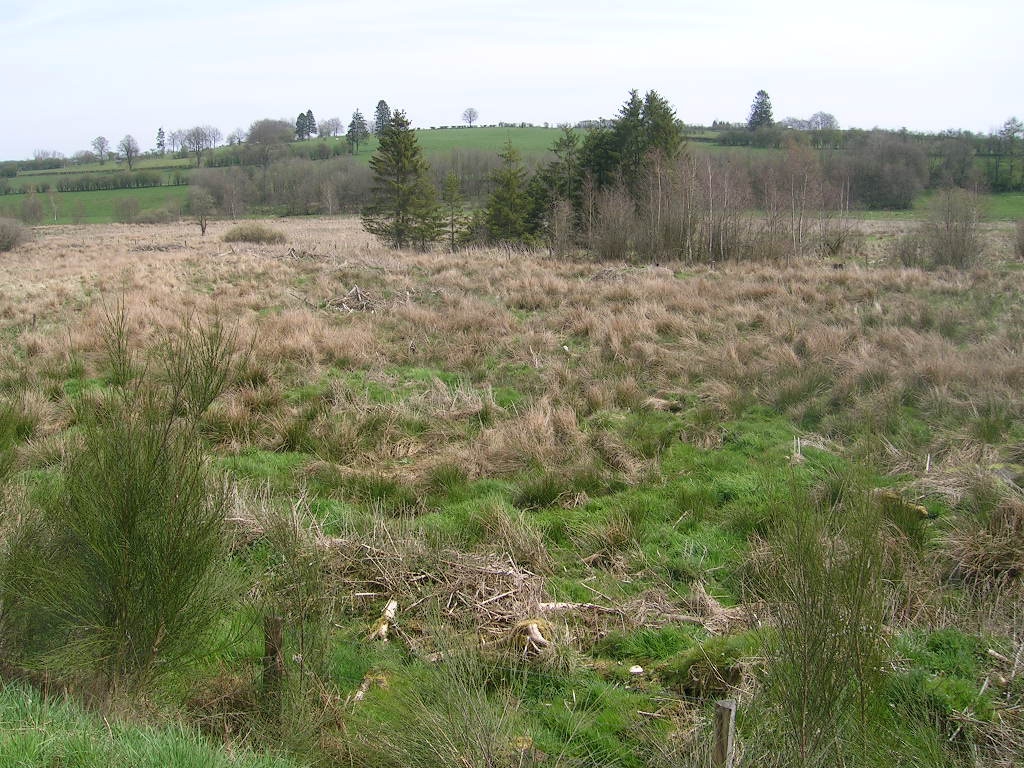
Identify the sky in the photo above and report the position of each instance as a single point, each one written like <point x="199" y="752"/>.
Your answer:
<point x="75" y="70"/>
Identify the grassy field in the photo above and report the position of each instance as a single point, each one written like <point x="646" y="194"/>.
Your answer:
<point x="529" y="141"/>
<point x="112" y="166"/>
<point x="602" y="496"/>
<point x="98" y="207"/>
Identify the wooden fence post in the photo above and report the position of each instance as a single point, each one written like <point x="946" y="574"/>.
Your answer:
<point x="725" y="734"/>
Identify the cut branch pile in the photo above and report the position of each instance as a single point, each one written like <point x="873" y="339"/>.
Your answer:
<point x="356" y="300"/>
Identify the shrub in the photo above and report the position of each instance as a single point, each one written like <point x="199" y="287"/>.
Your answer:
<point x="908" y="250"/>
<point x="827" y="594"/>
<point x="254" y="233"/>
<point x="159" y="216"/>
<point x="951" y="232"/>
<point x="12" y="234"/>
<point x="31" y="209"/>
<point x="126" y="210"/>
<point x="116" y="574"/>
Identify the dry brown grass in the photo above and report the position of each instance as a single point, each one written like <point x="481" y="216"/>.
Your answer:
<point x="851" y="344"/>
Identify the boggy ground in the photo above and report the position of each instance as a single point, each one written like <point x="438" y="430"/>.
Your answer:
<point x="571" y="469"/>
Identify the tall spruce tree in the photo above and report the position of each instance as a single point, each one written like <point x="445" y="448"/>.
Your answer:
<point x="381" y="117"/>
<point x="630" y="138"/>
<point x="662" y="130"/>
<point x="760" y="112"/>
<point x="310" y="123"/>
<point x="161" y="142"/>
<point x="301" y="127"/>
<point x="404" y="209"/>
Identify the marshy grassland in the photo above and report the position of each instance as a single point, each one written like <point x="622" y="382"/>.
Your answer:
<point x="506" y="509"/>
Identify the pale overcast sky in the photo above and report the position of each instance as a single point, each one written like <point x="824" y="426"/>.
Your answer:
<point x="75" y="70"/>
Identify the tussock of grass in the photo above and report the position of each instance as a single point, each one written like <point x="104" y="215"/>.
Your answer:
<point x="254" y="233"/>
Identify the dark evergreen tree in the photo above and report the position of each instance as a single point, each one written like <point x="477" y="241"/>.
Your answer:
<point x="630" y="138"/>
<point x="599" y="156"/>
<point x="760" y="112"/>
<point x="161" y="142"/>
<point x="663" y="131"/>
<point x="358" y="131"/>
<point x="310" y="123"/>
<point x="428" y="220"/>
<point x="621" y="153"/>
<point x="508" y="209"/>
<point x="301" y="127"/>
<point x="381" y="117"/>
<point x="560" y="180"/>
<point x="404" y="210"/>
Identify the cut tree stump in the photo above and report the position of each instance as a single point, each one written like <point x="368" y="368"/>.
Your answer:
<point x="383" y="626"/>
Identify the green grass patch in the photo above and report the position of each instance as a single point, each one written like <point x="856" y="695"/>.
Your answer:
<point x="41" y="734"/>
<point x="648" y="644"/>
<point x="274" y="468"/>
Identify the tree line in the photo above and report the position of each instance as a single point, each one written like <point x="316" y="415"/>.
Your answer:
<point x="634" y="186"/>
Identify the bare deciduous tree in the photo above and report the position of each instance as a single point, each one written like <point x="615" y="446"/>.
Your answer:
<point x="129" y="149"/>
<point x="470" y="116"/>
<point x="175" y="140"/>
<point x="101" y="146"/>
<point x="199" y="139"/>
<point x="330" y="127"/>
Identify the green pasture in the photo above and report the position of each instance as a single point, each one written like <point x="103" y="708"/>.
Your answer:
<point x="112" y="166"/>
<point x="97" y="207"/>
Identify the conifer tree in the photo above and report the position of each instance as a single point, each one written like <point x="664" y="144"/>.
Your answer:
<point x="381" y="118"/>
<point x="508" y="209"/>
<point x="662" y="130"/>
<point x="357" y="131"/>
<point x="404" y="210"/>
<point x="760" y="112"/>
<point x="310" y="123"/>
<point x="161" y="143"/>
<point x="301" y="127"/>
<point x="630" y="138"/>
<point x="428" y="223"/>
